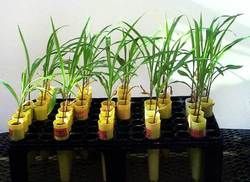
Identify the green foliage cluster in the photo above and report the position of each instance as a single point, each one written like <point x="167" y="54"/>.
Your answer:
<point x="97" y="56"/>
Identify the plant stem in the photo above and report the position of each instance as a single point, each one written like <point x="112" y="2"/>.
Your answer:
<point x="192" y="86"/>
<point x="87" y="85"/>
<point x="19" y="113"/>
<point x="126" y="91"/>
<point x="41" y="102"/>
<point x="150" y="95"/>
<point x="108" y="109"/>
<point x="199" y="105"/>
<point x="196" y="103"/>
<point x="165" y="92"/>
<point x="46" y="88"/>
<point x="83" y="83"/>
<point x="156" y="104"/>
<point x="64" y="106"/>
<point x="163" y="80"/>
<point x="29" y="94"/>
<point x="209" y="89"/>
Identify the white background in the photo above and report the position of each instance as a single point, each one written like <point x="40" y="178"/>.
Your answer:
<point x="230" y="92"/>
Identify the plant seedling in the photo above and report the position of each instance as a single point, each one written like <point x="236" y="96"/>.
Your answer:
<point x="90" y="51"/>
<point x="111" y="76"/>
<point x="207" y="49"/>
<point x="71" y="75"/>
<point x="172" y="55"/>
<point x="26" y="88"/>
<point x="130" y="55"/>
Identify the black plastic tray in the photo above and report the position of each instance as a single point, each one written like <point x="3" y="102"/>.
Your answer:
<point x="128" y="134"/>
<point x="236" y="163"/>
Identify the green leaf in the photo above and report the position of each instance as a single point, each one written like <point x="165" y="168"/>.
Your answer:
<point x="60" y="56"/>
<point x="52" y="102"/>
<point x="34" y="67"/>
<point x="230" y="66"/>
<point x="183" y="73"/>
<point x="121" y="61"/>
<point x="26" y="50"/>
<point x="11" y="90"/>
<point x="220" y="71"/>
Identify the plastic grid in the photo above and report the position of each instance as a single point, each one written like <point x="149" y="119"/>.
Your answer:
<point x="236" y="163"/>
<point x="127" y="134"/>
<point x="236" y="155"/>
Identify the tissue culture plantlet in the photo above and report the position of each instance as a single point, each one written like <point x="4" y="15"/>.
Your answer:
<point x="109" y="77"/>
<point x="27" y="84"/>
<point x="172" y="57"/>
<point x="127" y="53"/>
<point x="207" y="50"/>
<point x="148" y="50"/>
<point x="30" y="68"/>
<point x="130" y="55"/>
<point x="50" y="65"/>
<point x="154" y="67"/>
<point x="90" y="51"/>
<point x="200" y="62"/>
<point x="71" y="75"/>
<point x="211" y="47"/>
<point x="151" y="58"/>
<point x="27" y="87"/>
<point x="161" y="61"/>
<point x="215" y="49"/>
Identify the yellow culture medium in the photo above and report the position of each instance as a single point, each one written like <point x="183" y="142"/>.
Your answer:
<point x="24" y="118"/>
<point x="87" y="94"/>
<point x="106" y="130"/>
<point x="40" y="111"/>
<point x="68" y="112"/>
<point x="106" y="105"/>
<point x="64" y="118"/>
<point x="81" y="110"/>
<point x="28" y="110"/>
<point x="16" y="130"/>
<point x="153" y="126"/>
<point x="165" y="108"/>
<point x="207" y="106"/>
<point x="123" y="109"/>
<point x="61" y="130"/>
<point x="198" y="127"/>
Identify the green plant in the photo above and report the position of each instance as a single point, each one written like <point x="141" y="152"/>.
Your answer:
<point x="150" y="53"/>
<point x="111" y="74"/>
<point x="51" y="60"/>
<point x="215" y="35"/>
<point x="70" y="76"/>
<point x="30" y="68"/>
<point x="90" y="51"/>
<point x="130" y="55"/>
<point x="207" y="50"/>
<point x="48" y="69"/>
<point x="27" y="86"/>
<point x="162" y="61"/>
<point x="50" y="64"/>
<point x="172" y="56"/>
